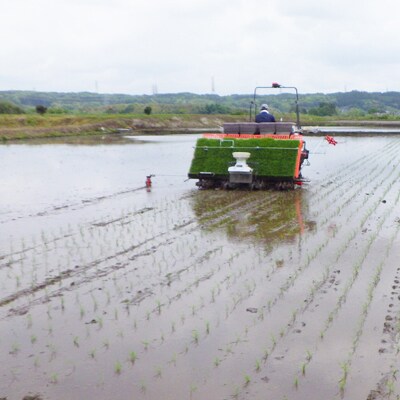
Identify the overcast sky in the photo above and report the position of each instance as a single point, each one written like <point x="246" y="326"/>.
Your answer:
<point x="132" y="46"/>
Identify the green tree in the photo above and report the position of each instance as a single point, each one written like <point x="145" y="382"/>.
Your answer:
<point x="41" y="109"/>
<point x="147" y="110"/>
<point x="129" y="109"/>
<point x="7" y="107"/>
<point x="324" y="109"/>
<point x="214" y="109"/>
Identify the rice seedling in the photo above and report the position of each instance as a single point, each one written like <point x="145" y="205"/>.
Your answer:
<point x="258" y="365"/>
<point x="33" y="339"/>
<point x="296" y="382"/>
<point x="195" y="336"/>
<point x="76" y="341"/>
<point x="15" y="348"/>
<point x="236" y="392"/>
<point x="273" y="340"/>
<point x="247" y="380"/>
<point x="173" y="359"/>
<point x="207" y="327"/>
<point x="217" y="361"/>
<point x="145" y="344"/>
<point x="118" y="367"/>
<point x="390" y="387"/>
<point x="343" y="380"/>
<point x="92" y="353"/>
<point x="159" y="305"/>
<point x="143" y="386"/>
<point x="100" y="322"/>
<point x="193" y="389"/>
<point x="158" y="371"/>
<point x="54" y="378"/>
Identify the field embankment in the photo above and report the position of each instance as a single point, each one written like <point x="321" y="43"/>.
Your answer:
<point x="15" y="127"/>
<point x="35" y="126"/>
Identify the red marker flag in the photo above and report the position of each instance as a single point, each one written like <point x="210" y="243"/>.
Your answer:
<point x="331" y="140"/>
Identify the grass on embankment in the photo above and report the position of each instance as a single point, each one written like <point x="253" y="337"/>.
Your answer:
<point x="28" y="126"/>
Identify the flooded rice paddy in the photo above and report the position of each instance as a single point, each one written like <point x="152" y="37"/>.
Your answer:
<point x="110" y="291"/>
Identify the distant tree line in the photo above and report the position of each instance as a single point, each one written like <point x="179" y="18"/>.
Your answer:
<point x="350" y="103"/>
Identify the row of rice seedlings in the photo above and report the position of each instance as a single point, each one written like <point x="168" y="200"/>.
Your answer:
<point x="76" y="339"/>
<point x="194" y="310"/>
<point x="336" y="181"/>
<point x="374" y="281"/>
<point x="311" y="257"/>
<point x="359" y="330"/>
<point x="350" y="170"/>
<point x="280" y="333"/>
<point x="353" y="195"/>
<point x="196" y="333"/>
<point x="356" y="270"/>
<point x="208" y="327"/>
<point x="371" y="176"/>
<point x="313" y="292"/>
<point x="274" y="340"/>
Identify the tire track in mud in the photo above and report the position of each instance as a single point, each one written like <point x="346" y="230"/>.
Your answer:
<point x="75" y="206"/>
<point x="46" y="243"/>
<point x="78" y="271"/>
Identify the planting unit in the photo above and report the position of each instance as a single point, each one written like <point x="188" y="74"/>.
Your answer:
<point x="265" y="160"/>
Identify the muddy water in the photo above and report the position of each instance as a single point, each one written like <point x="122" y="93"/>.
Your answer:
<point x="111" y="291"/>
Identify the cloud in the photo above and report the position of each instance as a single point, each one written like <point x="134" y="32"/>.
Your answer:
<point x="128" y="46"/>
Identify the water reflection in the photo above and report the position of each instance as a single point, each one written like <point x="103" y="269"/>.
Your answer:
<point x="94" y="140"/>
<point x="261" y="217"/>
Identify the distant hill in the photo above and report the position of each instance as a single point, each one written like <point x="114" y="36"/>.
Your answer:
<point x="356" y="102"/>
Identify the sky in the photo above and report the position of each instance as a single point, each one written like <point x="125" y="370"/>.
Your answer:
<point x="199" y="46"/>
